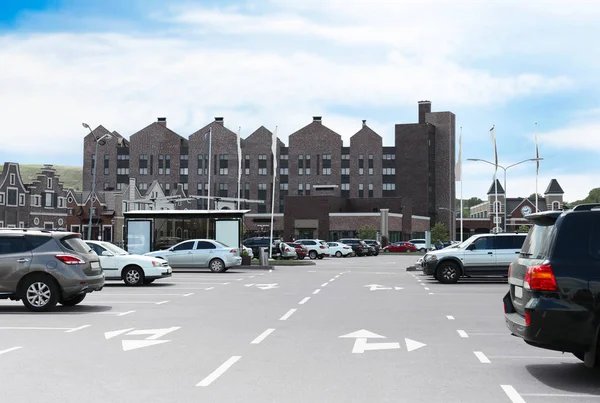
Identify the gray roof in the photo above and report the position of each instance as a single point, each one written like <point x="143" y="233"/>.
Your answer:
<point x="554" y="188"/>
<point x="493" y="190"/>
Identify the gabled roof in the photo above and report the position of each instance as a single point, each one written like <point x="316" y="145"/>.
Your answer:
<point x="159" y="129"/>
<point x="262" y="135"/>
<point x="554" y="188"/>
<point x="366" y="131"/>
<point x="493" y="188"/>
<point x="315" y="126"/>
<point x="6" y="173"/>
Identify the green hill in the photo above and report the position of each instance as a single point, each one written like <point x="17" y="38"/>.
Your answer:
<point x="70" y="176"/>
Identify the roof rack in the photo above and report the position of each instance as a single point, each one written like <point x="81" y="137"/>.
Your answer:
<point x="586" y="207"/>
<point x="24" y="229"/>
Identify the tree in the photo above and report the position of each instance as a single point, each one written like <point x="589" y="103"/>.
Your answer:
<point x="367" y="232"/>
<point x="593" y="197"/>
<point x="439" y="232"/>
<point x="532" y="197"/>
<point x="523" y="228"/>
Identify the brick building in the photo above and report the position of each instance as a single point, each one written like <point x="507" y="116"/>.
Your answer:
<point x="418" y="168"/>
<point x="48" y="205"/>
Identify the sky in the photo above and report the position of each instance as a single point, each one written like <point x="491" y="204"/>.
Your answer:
<point x="123" y="63"/>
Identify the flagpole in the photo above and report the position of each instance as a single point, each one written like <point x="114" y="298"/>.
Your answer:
<point x="461" y="185"/>
<point x="495" y="209"/>
<point x="209" y="172"/>
<point x="274" y="150"/>
<point x="537" y="167"/>
<point x="239" y="150"/>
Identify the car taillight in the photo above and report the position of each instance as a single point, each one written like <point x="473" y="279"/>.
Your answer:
<point x="527" y="318"/>
<point x="346" y="247"/>
<point x="509" y="269"/>
<point x="287" y="249"/>
<point x="540" y="278"/>
<point x="69" y="259"/>
<point x="233" y="251"/>
<point x="321" y="246"/>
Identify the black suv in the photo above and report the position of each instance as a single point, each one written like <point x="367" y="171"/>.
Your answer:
<point x="258" y="242"/>
<point x="359" y="246"/>
<point x="554" y="284"/>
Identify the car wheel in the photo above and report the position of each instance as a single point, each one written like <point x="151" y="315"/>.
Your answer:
<point x="40" y="293"/>
<point x="422" y="250"/>
<point x="217" y="266"/>
<point x="338" y="254"/>
<point x="407" y="250"/>
<point x="133" y="276"/>
<point x="386" y="251"/>
<point x="448" y="273"/>
<point x="321" y="257"/>
<point x="312" y="254"/>
<point x="72" y="301"/>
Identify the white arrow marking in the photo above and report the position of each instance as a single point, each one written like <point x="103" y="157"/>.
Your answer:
<point x="115" y="333"/>
<point x="363" y="334"/>
<point x="155" y="333"/>
<point x="412" y="345"/>
<point x="133" y="344"/>
<point x="361" y="345"/>
<point x="450" y="317"/>
<point x="249" y="285"/>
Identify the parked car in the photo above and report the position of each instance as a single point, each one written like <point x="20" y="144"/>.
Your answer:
<point x="317" y="248"/>
<point x="200" y="253"/>
<point x="255" y="243"/>
<point x="554" y="284"/>
<point x="248" y="251"/>
<point x="480" y="255"/>
<point x="42" y="268"/>
<point x="286" y="251"/>
<point x="339" y="249"/>
<point x="400" y="247"/>
<point x="118" y="264"/>
<point x="359" y="247"/>
<point x="301" y="251"/>
<point x="420" y="244"/>
<point x="374" y="243"/>
<point x="372" y="250"/>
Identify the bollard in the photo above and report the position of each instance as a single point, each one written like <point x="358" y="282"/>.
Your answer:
<point x="264" y="256"/>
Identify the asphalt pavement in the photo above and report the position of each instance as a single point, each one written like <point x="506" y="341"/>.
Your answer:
<point x="344" y="330"/>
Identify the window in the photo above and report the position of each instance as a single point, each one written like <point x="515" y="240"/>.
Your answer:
<point x="345" y="171"/>
<point x="389" y="186"/>
<point x="22" y="199"/>
<point x="370" y="171"/>
<point x="509" y="242"/>
<point x="143" y="171"/>
<point x="555" y="205"/>
<point x="222" y="186"/>
<point x="262" y="157"/>
<point x="361" y="171"/>
<point x="300" y="171"/>
<point x="486" y="242"/>
<point x="10" y="245"/>
<point x="370" y="186"/>
<point x="389" y="171"/>
<point x="345" y="156"/>
<point x="224" y="171"/>
<point x="1" y="198"/>
<point x="283" y="171"/>
<point x="12" y="179"/>
<point x="184" y="157"/>
<point x="361" y="186"/>
<point x="262" y="171"/>
<point x="307" y="186"/>
<point x="300" y="187"/>
<point x="188" y="245"/>
<point x="284" y="157"/>
<point x="185" y="186"/>
<point x="262" y="186"/>
<point x="247" y="171"/>
<point x="123" y="156"/>
<point x="497" y="207"/>
<point x="307" y="171"/>
<point x="326" y="171"/>
<point x="205" y="245"/>
<point x="122" y="171"/>
<point x="183" y="171"/>
<point x="389" y="156"/>
<point x="106" y="165"/>
<point x="11" y="197"/>
<point x="307" y="157"/>
<point x="143" y="186"/>
<point x="167" y="164"/>
<point x="327" y="156"/>
<point x="48" y="200"/>
<point x="283" y="186"/>
<point x="345" y="186"/>
<point x="371" y="156"/>
<point x="121" y="186"/>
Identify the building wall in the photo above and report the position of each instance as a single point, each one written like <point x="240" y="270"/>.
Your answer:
<point x="55" y="213"/>
<point x="366" y="143"/>
<point x="13" y="215"/>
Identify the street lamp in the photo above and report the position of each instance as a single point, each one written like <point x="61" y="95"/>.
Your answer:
<point x="106" y="136"/>
<point x="505" y="169"/>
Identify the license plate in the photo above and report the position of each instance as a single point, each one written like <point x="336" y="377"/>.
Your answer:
<point x="518" y="292"/>
<point x="95" y="265"/>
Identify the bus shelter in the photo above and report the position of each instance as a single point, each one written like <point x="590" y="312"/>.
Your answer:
<point x="149" y="230"/>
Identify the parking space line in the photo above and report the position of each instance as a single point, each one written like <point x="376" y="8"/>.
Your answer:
<point x="144" y="295"/>
<point x="238" y="279"/>
<point x="533" y="357"/>
<point x="210" y="288"/>
<point x="318" y="290"/>
<point x="34" y="328"/>
<point x="487" y="334"/>
<point x="288" y="314"/>
<point x="8" y="350"/>
<point x="462" y="333"/>
<point x="512" y="394"/>
<point x="122" y="302"/>
<point x="219" y="371"/>
<point x="482" y="358"/>
<point x="161" y="302"/>
<point x="77" y="328"/>
<point x="196" y="282"/>
<point x="563" y="396"/>
<point x="188" y="294"/>
<point x="262" y="336"/>
<point x="125" y="313"/>
<point x="430" y="293"/>
<point x="324" y="284"/>
<point x="304" y="301"/>
<point x="427" y="288"/>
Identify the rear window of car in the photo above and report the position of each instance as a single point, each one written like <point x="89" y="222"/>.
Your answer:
<point x="35" y="241"/>
<point x="537" y="242"/>
<point x="74" y="243"/>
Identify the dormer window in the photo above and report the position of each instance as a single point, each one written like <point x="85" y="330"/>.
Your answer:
<point x="49" y="183"/>
<point x="12" y="179"/>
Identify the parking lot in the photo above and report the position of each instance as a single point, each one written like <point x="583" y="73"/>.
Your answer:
<point x="343" y="330"/>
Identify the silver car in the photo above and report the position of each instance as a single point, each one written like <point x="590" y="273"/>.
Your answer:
<point x="200" y="253"/>
<point x="43" y="268"/>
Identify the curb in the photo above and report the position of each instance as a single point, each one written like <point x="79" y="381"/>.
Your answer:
<point x="256" y="267"/>
<point x="412" y="268"/>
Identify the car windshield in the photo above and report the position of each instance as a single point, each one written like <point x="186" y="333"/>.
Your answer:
<point x="537" y="243"/>
<point x="115" y="249"/>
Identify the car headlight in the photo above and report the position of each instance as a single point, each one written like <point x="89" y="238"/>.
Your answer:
<point x="430" y="258"/>
<point x="156" y="263"/>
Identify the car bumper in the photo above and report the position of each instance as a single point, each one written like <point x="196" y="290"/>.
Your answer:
<point x="429" y="267"/>
<point x="83" y="286"/>
<point x="158" y="272"/>
<point x="553" y="326"/>
<point x="233" y="261"/>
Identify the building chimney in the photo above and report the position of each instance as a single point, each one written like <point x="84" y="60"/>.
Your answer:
<point x="424" y="107"/>
<point x="317" y="119"/>
<point x="364" y="122"/>
<point x="162" y="121"/>
<point x="219" y="120"/>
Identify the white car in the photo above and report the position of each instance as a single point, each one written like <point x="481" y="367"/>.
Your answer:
<point x="248" y="251"/>
<point x="317" y="248"/>
<point x="118" y="264"/>
<point x="339" y="249"/>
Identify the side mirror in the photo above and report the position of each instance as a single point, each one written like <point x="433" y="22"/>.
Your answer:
<point x="107" y="253"/>
<point x="471" y="247"/>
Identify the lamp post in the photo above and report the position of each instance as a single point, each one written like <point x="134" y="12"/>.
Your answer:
<point x="505" y="169"/>
<point x="106" y="136"/>
<point x="454" y="215"/>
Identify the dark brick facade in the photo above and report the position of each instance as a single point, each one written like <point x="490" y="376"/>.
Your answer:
<point x="14" y="197"/>
<point x="48" y="207"/>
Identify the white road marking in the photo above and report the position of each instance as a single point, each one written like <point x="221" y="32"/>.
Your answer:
<point x="462" y="333"/>
<point x="142" y="295"/>
<point x="427" y="288"/>
<point x="450" y="317"/>
<point x="8" y="350"/>
<point x="77" y="328"/>
<point x="154" y="333"/>
<point x="135" y="344"/>
<point x="122" y="302"/>
<point x="531" y="357"/>
<point x="481" y="357"/>
<point x="161" y="302"/>
<point x="564" y="396"/>
<point x="288" y="314"/>
<point x="324" y="284"/>
<point x="210" y="288"/>
<point x="263" y="336"/>
<point x="312" y="271"/>
<point x="197" y="282"/>
<point x="487" y="334"/>
<point x="239" y="279"/>
<point x="512" y="394"/>
<point x="115" y="333"/>
<point x="219" y="371"/>
<point x="412" y="345"/>
<point x="34" y="328"/>
<point x="331" y="279"/>
<point x="187" y="295"/>
<point x="430" y="293"/>
<point x="304" y="301"/>
<point x="361" y="345"/>
<point x="318" y="290"/>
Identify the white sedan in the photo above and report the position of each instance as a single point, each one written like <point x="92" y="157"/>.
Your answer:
<point x="339" y="249"/>
<point x="119" y="264"/>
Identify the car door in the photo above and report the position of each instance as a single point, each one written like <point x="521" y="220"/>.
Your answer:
<point x="204" y="253"/>
<point x="480" y="256"/>
<point x="15" y="262"/>
<point x="507" y="250"/>
<point x="182" y="254"/>
<point x="108" y="263"/>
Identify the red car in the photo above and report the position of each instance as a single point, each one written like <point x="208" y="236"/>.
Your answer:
<point x="301" y="250"/>
<point x="400" y="247"/>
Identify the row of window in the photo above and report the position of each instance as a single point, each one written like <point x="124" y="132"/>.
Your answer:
<point x="13" y="198"/>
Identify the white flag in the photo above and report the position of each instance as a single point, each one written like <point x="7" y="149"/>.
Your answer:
<point x="458" y="169"/>
<point x="495" y="148"/>
<point x="274" y="150"/>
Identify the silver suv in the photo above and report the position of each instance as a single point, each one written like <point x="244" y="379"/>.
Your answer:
<point x="43" y="268"/>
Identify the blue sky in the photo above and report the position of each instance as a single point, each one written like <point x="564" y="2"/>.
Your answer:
<point x="277" y="63"/>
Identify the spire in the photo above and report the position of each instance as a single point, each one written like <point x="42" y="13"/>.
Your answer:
<point x="493" y="190"/>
